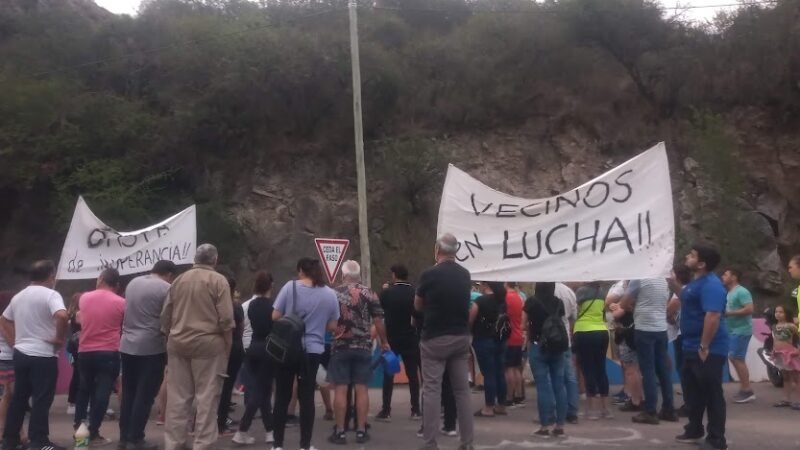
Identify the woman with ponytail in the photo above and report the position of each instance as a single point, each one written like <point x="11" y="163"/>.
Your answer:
<point x="309" y="298"/>
<point x="489" y="346"/>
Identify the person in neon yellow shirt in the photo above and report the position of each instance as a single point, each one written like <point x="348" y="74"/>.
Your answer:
<point x="794" y="271"/>
<point x="591" y="344"/>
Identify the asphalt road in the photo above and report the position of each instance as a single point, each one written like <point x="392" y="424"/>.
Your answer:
<point x="751" y="426"/>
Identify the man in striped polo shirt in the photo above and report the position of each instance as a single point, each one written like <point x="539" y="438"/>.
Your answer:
<point x="648" y="299"/>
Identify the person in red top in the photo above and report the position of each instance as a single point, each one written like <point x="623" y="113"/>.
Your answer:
<point x="513" y="361"/>
<point x="100" y="316"/>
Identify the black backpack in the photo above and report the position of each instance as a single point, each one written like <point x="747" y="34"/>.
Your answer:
<point x="502" y="326"/>
<point x="554" y="337"/>
<point x="285" y="341"/>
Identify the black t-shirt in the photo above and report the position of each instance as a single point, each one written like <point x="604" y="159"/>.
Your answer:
<point x="488" y="311"/>
<point x="260" y="314"/>
<point x="397" y="302"/>
<point x="445" y="289"/>
<point x="537" y="312"/>
<point x="238" y="329"/>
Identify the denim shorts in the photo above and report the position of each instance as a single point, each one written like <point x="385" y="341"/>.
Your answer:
<point x="627" y="355"/>
<point x="738" y="344"/>
<point x="350" y="366"/>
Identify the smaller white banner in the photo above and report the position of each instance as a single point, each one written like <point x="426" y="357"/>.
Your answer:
<point x="331" y="253"/>
<point x="92" y="246"/>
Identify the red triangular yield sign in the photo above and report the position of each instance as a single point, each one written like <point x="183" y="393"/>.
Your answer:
<point x="331" y="253"/>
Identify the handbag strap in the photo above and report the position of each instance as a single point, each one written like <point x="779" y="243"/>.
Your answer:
<point x="291" y="309"/>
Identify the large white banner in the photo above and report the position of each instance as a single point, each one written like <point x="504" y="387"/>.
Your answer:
<point x="618" y="226"/>
<point x="92" y="246"/>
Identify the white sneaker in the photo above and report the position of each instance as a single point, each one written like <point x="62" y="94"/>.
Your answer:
<point x="270" y="437"/>
<point x="242" y="438"/>
<point x="309" y="448"/>
<point x="70" y="410"/>
<point x="277" y="448"/>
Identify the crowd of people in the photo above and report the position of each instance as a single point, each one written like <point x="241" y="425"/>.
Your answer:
<point x="185" y="339"/>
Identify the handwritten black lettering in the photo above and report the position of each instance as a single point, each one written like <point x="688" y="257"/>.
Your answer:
<point x="561" y="198"/>
<point x="470" y="245"/>
<point x="607" y="192"/>
<point x="507" y="255"/>
<point x="459" y="259"/>
<point x="627" y="186"/>
<point x="538" y="245"/>
<point x="475" y="208"/>
<point x="162" y="228"/>
<point x="502" y="212"/>
<point x="592" y="237"/>
<point x="127" y="241"/>
<point x="96" y="238"/>
<point x="549" y="236"/>
<point x="524" y="213"/>
<point x="623" y="236"/>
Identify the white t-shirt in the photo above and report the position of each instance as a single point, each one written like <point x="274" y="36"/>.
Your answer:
<point x="674" y="330"/>
<point x="6" y="352"/>
<point x="32" y="312"/>
<point x="567" y="297"/>
<point x="247" y="329"/>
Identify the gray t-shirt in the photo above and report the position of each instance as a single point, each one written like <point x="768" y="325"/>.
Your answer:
<point x="316" y="306"/>
<point x="650" y="296"/>
<point x="141" y="328"/>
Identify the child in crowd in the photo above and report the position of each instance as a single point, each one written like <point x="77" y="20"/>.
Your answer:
<point x="787" y="357"/>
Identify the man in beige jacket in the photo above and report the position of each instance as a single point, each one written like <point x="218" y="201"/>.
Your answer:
<point x="198" y="322"/>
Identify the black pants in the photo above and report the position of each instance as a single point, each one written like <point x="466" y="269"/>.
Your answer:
<point x="408" y="349"/>
<point x="677" y="346"/>
<point x="35" y="381"/>
<point x="306" y="374"/>
<point x="591" y="348"/>
<point x="99" y="372"/>
<point x="75" y="381"/>
<point x="140" y="386"/>
<point x="234" y="364"/>
<point x="260" y="391"/>
<point x="703" y="393"/>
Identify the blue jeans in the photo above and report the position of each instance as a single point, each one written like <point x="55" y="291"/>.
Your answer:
<point x="571" y="386"/>
<point x="548" y="373"/>
<point x="99" y="372"/>
<point x="491" y="360"/>
<point x="651" y="349"/>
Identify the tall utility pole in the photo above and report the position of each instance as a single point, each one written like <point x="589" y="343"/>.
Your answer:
<point x="363" y="226"/>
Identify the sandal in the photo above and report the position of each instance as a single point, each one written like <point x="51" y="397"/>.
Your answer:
<point x="480" y="413"/>
<point x="782" y="404"/>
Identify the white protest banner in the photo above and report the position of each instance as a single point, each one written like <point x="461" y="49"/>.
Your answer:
<point x="331" y="253"/>
<point x="92" y="246"/>
<point x="618" y="226"/>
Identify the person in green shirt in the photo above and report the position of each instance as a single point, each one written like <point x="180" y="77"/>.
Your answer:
<point x="590" y="345"/>
<point x="794" y="271"/>
<point x="739" y="315"/>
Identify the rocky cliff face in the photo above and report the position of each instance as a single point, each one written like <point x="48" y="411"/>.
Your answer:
<point x="757" y="225"/>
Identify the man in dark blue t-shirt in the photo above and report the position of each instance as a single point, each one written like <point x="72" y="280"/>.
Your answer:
<point x="705" y="347"/>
